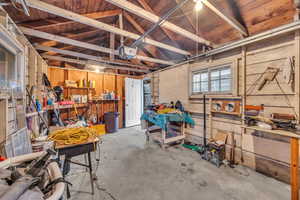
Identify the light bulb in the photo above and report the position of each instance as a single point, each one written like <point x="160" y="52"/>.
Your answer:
<point x="198" y="5"/>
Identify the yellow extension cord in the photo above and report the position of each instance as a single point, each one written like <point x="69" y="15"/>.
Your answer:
<point x="73" y="136"/>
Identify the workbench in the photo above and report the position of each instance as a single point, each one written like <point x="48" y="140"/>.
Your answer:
<point x="294" y="152"/>
<point x="73" y="150"/>
<point x="166" y="128"/>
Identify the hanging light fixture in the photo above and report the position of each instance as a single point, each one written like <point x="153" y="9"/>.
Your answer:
<point x="199" y="5"/>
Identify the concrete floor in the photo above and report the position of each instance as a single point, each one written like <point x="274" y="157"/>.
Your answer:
<point x="133" y="170"/>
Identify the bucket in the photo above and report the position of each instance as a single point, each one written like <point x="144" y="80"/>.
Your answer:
<point x="111" y="120"/>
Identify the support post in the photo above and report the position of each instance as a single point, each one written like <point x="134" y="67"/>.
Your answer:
<point x="204" y="120"/>
<point x="294" y="168"/>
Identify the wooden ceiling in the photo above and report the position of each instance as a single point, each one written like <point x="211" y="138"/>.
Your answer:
<point x="255" y="15"/>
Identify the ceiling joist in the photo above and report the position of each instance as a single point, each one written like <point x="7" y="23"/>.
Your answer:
<point x="97" y="24"/>
<point x="93" y="47"/>
<point x="91" y="62"/>
<point x="154" y="18"/>
<point x="85" y="56"/>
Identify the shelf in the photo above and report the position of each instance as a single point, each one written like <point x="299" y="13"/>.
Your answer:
<point x="34" y="113"/>
<point x="276" y="132"/>
<point x="67" y="106"/>
<point x="104" y="100"/>
<point x="80" y="88"/>
<point x="227" y="113"/>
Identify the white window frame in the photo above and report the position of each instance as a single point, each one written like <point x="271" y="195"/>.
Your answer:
<point x="8" y="41"/>
<point x="209" y="70"/>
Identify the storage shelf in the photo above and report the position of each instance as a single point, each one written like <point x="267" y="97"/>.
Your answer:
<point x="34" y="113"/>
<point x="227" y="113"/>
<point x="104" y="100"/>
<point x="67" y="106"/>
<point x="80" y="88"/>
<point x="276" y="132"/>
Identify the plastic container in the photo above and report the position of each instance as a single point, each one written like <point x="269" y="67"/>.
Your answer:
<point x="99" y="128"/>
<point x="111" y="120"/>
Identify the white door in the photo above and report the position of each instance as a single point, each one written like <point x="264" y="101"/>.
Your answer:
<point x="133" y="101"/>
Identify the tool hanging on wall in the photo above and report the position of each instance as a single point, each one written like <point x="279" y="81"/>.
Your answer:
<point x="292" y="73"/>
<point x="44" y="124"/>
<point x="49" y="88"/>
<point x="269" y="75"/>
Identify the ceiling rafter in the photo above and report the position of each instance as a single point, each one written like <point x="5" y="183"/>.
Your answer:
<point x="72" y="36"/>
<point x="229" y="19"/>
<point x="69" y="47"/>
<point x="151" y="49"/>
<point x="150" y="15"/>
<point x="95" y="15"/>
<point x="97" y="24"/>
<point x="69" y="41"/>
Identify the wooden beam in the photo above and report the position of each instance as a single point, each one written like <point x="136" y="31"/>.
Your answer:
<point x="93" y="47"/>
<point x="97" y="24"/>
<point x="153" y="50"/>
<point x="112" y="39"/>
<point x="167" y="32"/>
<point x="154" y="18"/>
<point x="91" y="62"/>
<point x="229" y="19"/>
<point x="85" y="56"/>
<point x="121" y="25"/>
<point x="95" y="15"/>
<point x="69" y="47"/>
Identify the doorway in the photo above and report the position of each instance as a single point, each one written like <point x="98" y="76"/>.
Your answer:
<point x="133" y="101"/>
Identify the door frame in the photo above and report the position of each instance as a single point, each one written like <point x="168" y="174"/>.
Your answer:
<point x="141" y="99"/>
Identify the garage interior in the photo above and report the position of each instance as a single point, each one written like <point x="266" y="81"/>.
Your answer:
<point x="145" y="99"/>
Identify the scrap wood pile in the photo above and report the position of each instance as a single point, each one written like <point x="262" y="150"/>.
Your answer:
<point x="73" y="136"/>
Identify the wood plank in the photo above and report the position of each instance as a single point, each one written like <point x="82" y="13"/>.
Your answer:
<point x="97" y="24"/>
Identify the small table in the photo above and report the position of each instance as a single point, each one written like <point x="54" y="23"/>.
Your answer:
<point x="73" y="150"/>
<point x="162" y="136"/>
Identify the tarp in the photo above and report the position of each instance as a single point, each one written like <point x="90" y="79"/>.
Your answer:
<point x="162" y="120"/>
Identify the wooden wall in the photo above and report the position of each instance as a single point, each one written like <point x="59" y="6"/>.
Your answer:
<point x="262" y="151"/>
<point x="104" y="82"/>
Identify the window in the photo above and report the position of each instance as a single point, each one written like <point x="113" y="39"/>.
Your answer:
<point x="200" y="82"/>
<point x="214" y="80"/>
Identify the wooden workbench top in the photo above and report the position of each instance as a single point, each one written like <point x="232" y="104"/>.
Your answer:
<point x="63" y="146"/>
<point x="276" y="132"/>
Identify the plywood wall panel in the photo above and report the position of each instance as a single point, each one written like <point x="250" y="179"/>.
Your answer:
<point x="109" y="82"/>
<point x="56" y="76"/>
<point x="173" y="85"/>
<point x="98" y="78"/>
<point x="75" y="75"/>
